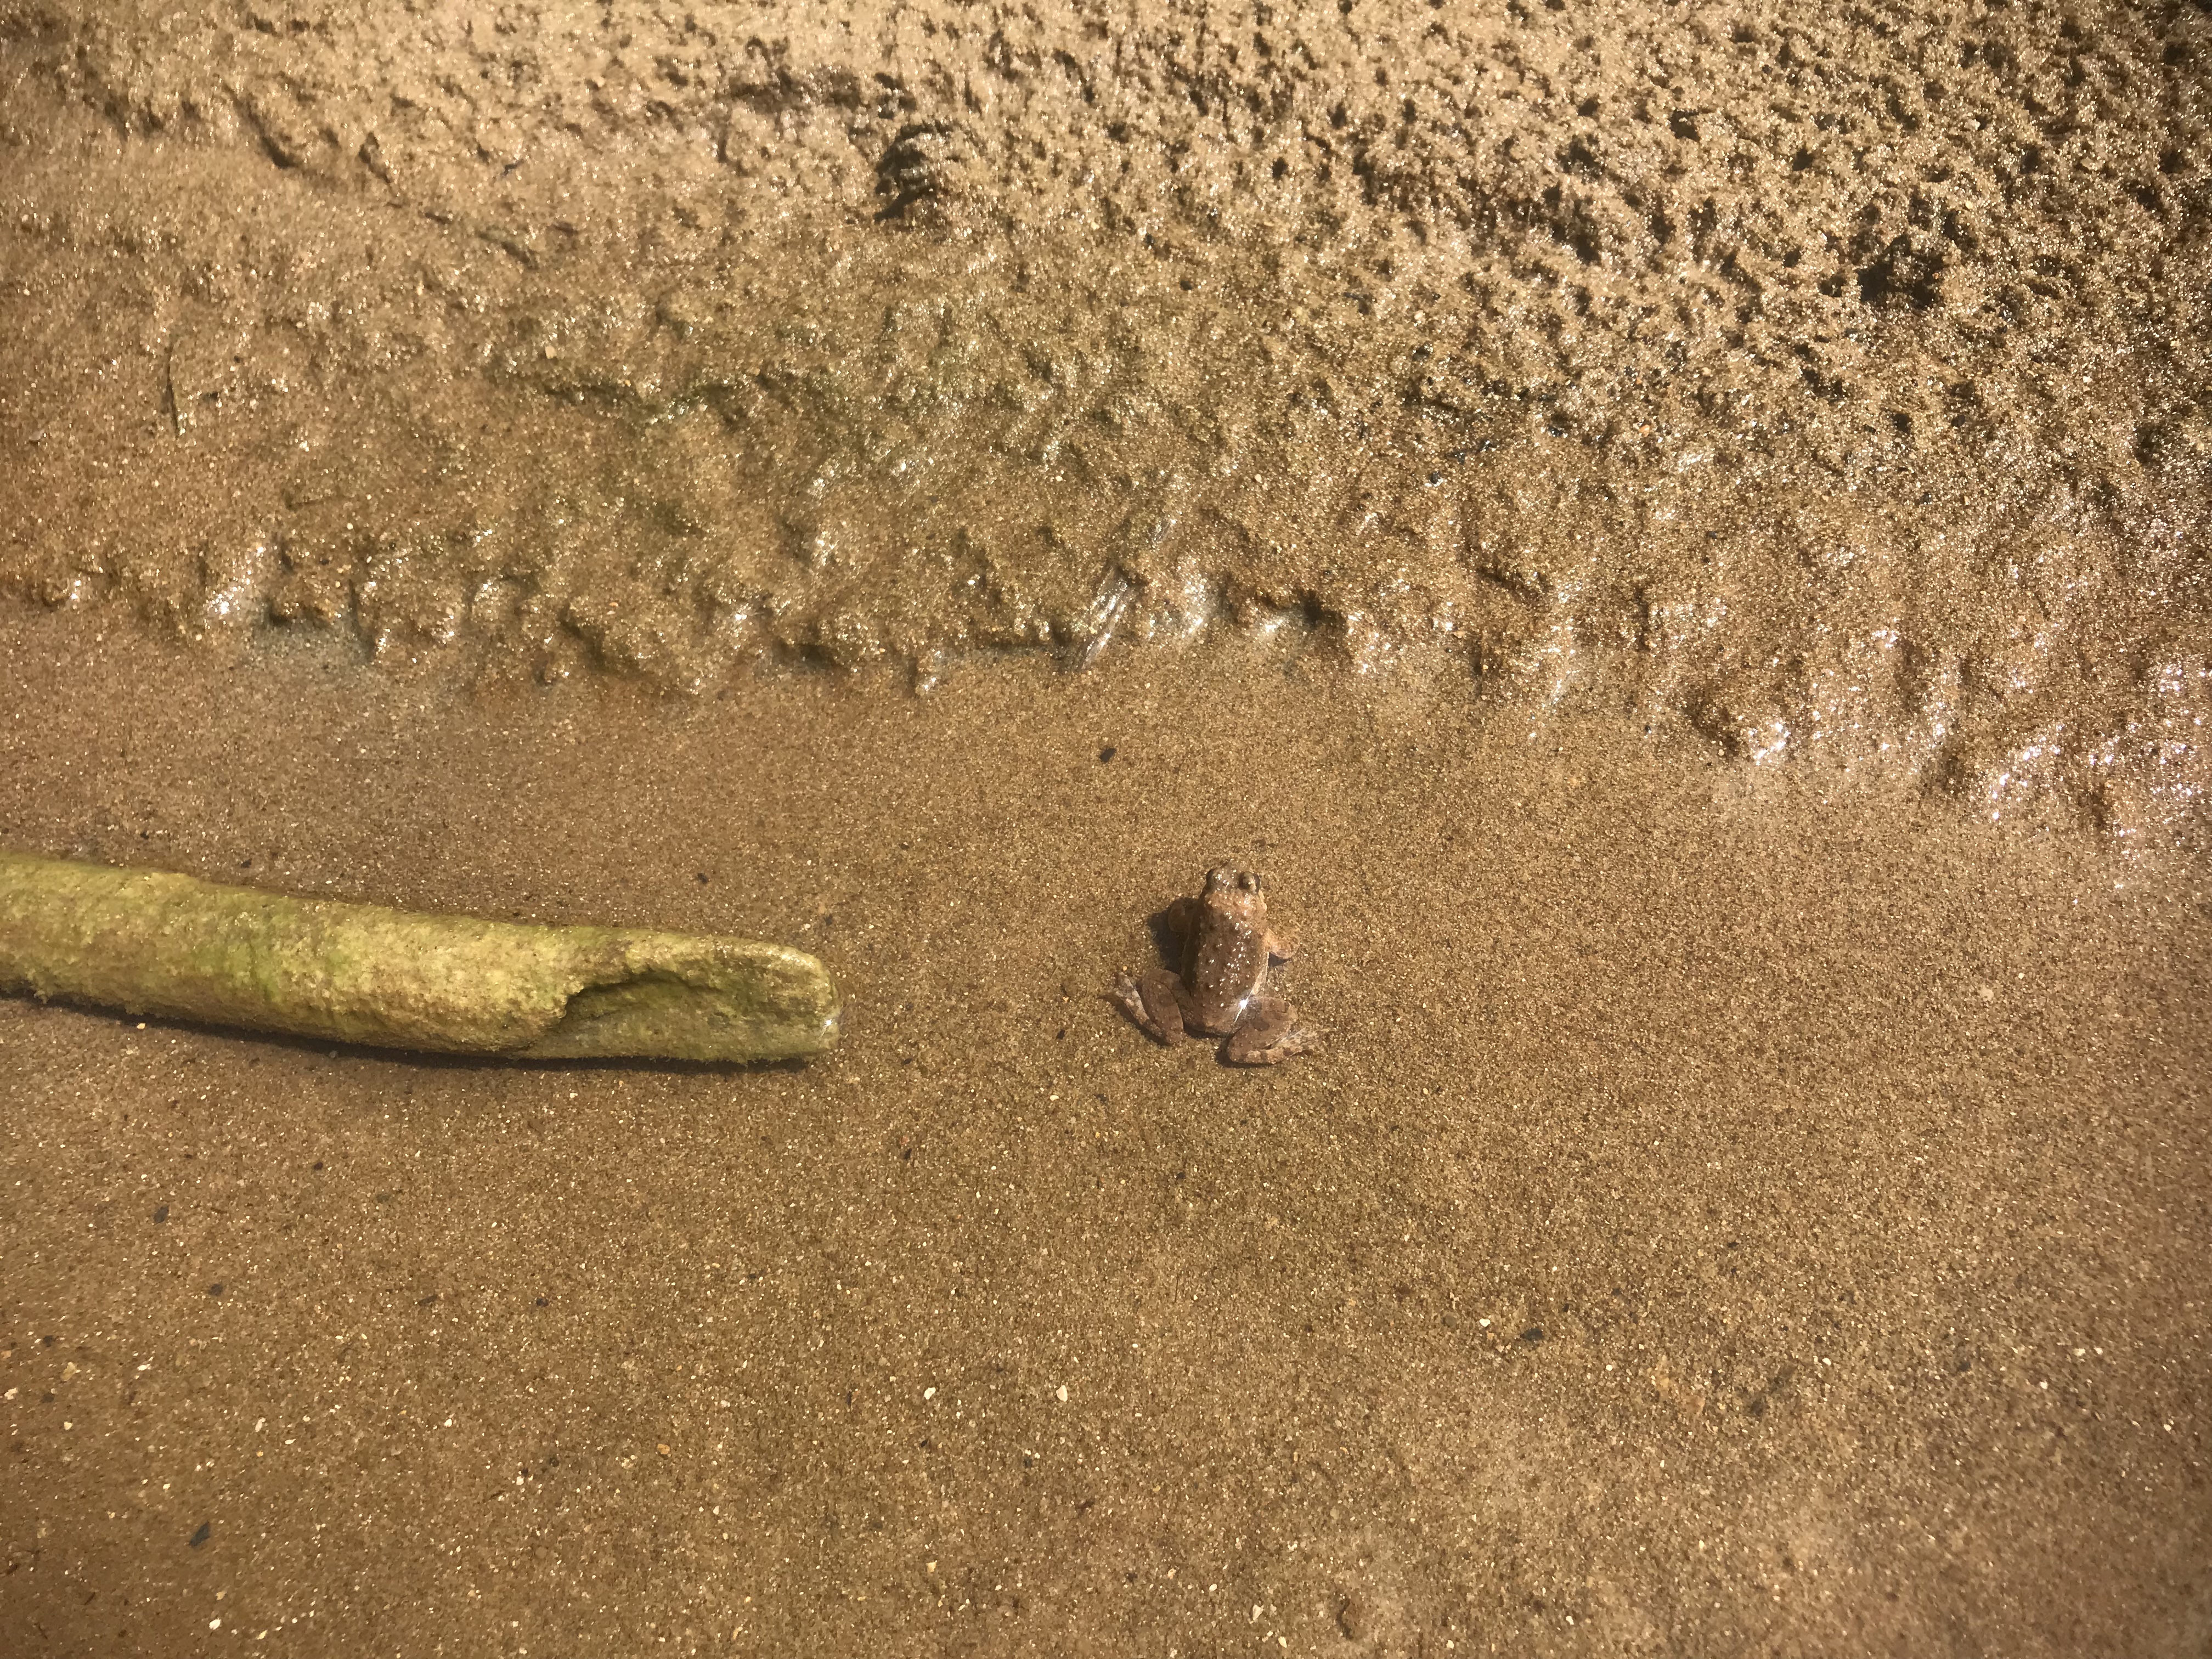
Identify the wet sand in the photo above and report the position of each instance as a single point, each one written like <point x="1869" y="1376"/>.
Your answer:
<point x="1821" y="380"/>
<point x="1675" y="538"/>
<point x="1737" y="1209"/>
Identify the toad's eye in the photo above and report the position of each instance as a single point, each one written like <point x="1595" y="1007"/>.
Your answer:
<point x="1248" y="882"/>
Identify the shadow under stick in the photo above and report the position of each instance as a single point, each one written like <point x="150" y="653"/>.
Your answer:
<point x="149" y="942"/>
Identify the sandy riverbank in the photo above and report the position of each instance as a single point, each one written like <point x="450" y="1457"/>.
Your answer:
<point x="1675" y="538"/>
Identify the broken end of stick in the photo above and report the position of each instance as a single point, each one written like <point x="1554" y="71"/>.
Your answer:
<point x="722" y="1000"/>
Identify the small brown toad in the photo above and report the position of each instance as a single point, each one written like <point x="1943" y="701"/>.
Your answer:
<point x="1226" y="947"/>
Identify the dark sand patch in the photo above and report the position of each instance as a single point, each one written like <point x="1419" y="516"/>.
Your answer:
<point x="1739" y="1210"/>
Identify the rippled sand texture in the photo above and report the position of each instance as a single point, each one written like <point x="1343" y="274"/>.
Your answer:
<point x="1822" y="381"/>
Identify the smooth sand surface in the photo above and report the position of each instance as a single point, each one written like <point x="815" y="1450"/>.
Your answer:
<point x="1736" y="1211"/>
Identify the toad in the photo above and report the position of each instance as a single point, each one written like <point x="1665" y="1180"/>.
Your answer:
<point x="1226" y="947"/>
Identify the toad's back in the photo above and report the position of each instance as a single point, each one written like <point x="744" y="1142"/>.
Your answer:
<point x="1224" y="956"/>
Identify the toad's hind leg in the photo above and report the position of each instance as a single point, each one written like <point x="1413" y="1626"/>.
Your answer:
<point x="1268" y="1034"/>
<point x="1155" y="1002"/>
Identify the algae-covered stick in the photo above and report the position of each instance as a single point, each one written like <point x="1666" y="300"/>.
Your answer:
<point x="153" y="943"/>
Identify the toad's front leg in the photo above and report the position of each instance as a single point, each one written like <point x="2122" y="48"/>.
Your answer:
<point x="1158" y="1003"/>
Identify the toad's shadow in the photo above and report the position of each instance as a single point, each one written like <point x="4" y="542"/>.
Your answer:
<point x="1167" y="938"/>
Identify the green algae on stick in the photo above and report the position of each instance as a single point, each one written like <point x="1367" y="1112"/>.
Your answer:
<point x="152" y="943"/>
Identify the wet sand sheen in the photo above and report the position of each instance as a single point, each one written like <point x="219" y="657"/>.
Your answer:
<point x="1812" y="379"/>
<point x="1735" y="1209"/>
